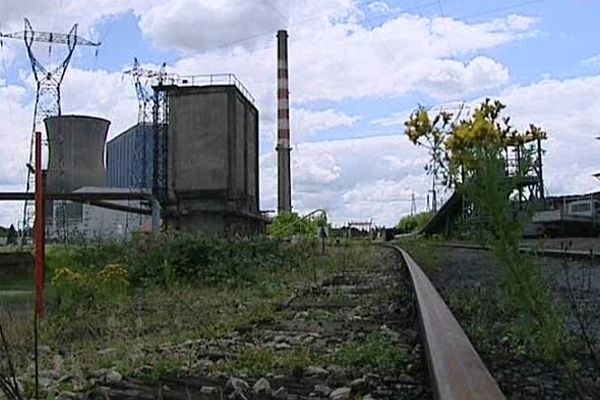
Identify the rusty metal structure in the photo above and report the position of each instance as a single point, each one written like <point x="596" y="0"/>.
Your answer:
<point x="524" y="158"/>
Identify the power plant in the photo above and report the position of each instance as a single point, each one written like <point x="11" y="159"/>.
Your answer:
<point x="75" y="152"/>
<point x="212" y="158"/>
<point x="208" y="141"/>
<point x="122" y="169"/>
<point x="191" y="162"/>
<point x="75" y="160"/>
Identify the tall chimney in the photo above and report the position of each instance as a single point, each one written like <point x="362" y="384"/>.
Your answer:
<point x="284" y="178"/>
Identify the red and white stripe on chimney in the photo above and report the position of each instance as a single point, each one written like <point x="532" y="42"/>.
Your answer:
<point x="284" y="198"/>
<point x="283" y="102"/>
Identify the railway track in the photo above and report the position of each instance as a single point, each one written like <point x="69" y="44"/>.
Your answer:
<point x="363" y="321"/>
<point x="456" y="370"/>
<point x="543" y="252"/>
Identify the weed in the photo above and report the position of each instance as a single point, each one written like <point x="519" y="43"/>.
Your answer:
<point x="252" y="361"/>
<point x="377" y="351"/>
<point x="295" y="361"/>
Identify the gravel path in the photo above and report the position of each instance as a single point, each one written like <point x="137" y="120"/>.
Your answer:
<point x="339" y="313"/>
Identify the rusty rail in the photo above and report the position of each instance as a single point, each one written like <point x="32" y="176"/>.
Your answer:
<point x="456" y="370"/>
<point x="542" y="252"/>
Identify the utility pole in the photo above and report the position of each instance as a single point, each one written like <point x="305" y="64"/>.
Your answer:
<point x="47" y="96"/>
<point x="413" y="204"/>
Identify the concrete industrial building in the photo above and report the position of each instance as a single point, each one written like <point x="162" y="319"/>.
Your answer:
<point x="75" y="164"/>
<point x="212" y="158"/>
<point x="75" y="159"/>
<point x="75" y="152"/>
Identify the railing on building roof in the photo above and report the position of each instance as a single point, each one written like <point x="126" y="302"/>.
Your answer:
<point x="208" y="80"/>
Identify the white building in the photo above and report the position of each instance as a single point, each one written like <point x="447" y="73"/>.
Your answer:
<point x="85" y="222"/>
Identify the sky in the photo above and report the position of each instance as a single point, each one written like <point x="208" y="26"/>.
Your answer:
<point x="357" y="70"/>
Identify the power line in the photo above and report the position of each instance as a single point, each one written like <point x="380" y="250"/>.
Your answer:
<point x="315" y="17"/>
<point x="503" y="8"/>
<point x="440" y="8"/>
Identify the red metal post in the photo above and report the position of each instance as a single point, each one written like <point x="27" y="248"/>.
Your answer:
<point x="39" y="228"/>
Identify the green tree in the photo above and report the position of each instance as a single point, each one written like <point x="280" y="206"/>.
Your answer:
<point x="412" y="223"/>
<point x="11" y="237"/>
<point x="286" y="225"/>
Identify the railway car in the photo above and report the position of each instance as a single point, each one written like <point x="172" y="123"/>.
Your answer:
<point x="584" y="208"/>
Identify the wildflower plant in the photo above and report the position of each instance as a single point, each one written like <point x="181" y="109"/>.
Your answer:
<point x="470" y="153"/>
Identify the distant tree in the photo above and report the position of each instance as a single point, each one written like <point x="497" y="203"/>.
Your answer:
<point x="412" y="223"/>
<point x="286" y="225"/>
<point x="11" y="237"/>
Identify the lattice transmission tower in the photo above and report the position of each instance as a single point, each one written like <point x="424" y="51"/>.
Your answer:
<point x="143" y="79"/>
<point x="47" y="97"/>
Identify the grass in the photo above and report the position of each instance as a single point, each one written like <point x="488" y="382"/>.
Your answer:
<point x="146" y="325"/>
<point x="21" y="281"/>
<point x="377" y="351"/>
<point x="424" y="251"/>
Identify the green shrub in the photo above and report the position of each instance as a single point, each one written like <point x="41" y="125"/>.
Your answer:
<point x="73" y="288"/>
<point x="179" y="258"/>
<point x="286" y="225"/>
<point x="412" y="223"/>
<point x="376" y="352"/>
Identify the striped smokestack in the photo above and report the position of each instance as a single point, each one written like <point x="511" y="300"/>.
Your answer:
<point x="284" y="179"/>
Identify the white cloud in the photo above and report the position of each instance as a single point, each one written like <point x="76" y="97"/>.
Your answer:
<point x="192" y="25"/>
<point x="101" y="94"/>
<point x="446" y="77"/>
<point x="592" y="61"/>
<point x="569" y="110"/>
<point x="15" y="135"/>
<point x="335" y="61"/>
<point x="379" y="7"/>
<point x="334" y="55"/>
<point x="369" y="178"/>
<point x="394" y="119"/>
<point x="305" y="123"/>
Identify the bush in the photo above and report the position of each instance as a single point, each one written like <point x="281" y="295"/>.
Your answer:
<point x="412" y="223"/>
<point x="74" y="288"/>
<point x="286" y="225"/>
<point x="169" y="259"/>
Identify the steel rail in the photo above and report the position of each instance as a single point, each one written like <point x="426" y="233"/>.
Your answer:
<point x="557" y="253"/>
<point x="456" y="370"/>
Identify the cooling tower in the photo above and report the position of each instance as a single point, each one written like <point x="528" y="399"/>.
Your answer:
<point x="75" y="152"/>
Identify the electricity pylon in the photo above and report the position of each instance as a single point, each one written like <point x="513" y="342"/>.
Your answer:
<point x="47" y="96"/>
<point x="143" y="80"/>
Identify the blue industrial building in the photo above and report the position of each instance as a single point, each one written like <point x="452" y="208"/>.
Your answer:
<point x="129" y="158"/>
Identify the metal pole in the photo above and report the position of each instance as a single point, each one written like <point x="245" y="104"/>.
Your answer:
<point x="155" y="215"/>
<point x="39" y="227"/>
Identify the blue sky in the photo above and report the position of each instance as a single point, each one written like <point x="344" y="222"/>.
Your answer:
<point x="357" y="69"/>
